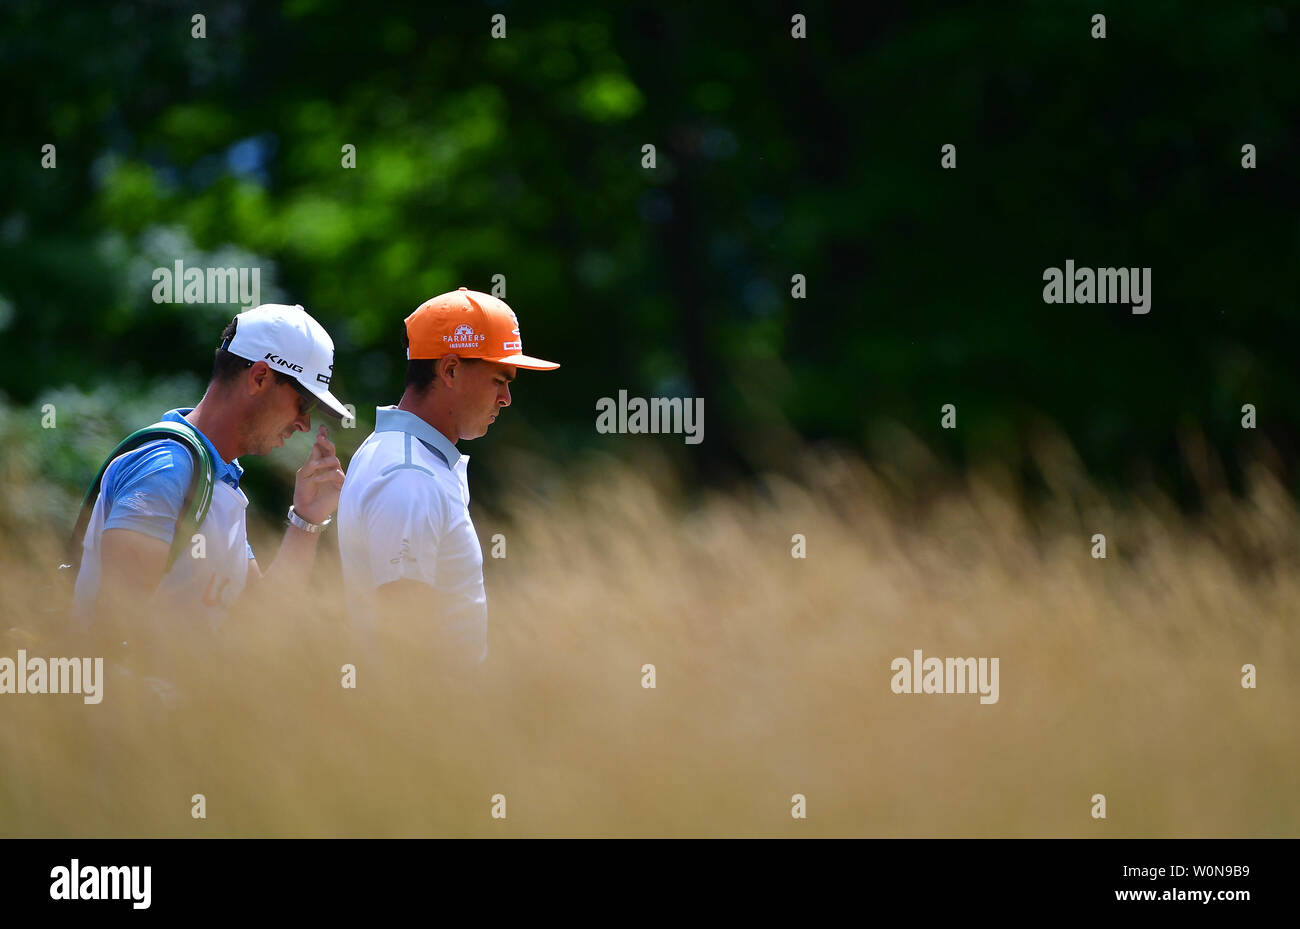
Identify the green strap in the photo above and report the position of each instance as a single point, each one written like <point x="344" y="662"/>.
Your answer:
<point x="198" y="498"/>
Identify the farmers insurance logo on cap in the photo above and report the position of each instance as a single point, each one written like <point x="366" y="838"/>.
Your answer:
<point x="291" y="342"/>
<point x="464" y="337"/>
<point x="472" y="325"/>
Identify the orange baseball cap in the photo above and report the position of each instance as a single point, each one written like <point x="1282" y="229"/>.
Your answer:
<point x="472" y="325"/>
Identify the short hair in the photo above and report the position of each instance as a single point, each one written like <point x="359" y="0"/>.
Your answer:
<point x="227" y="366"/>
<point x="421" y="373"/>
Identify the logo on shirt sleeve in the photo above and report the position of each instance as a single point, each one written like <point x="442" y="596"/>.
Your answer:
<point x="404" y="554"/>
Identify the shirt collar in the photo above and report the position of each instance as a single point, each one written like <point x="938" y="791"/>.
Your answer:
<point x="391" y="419"/>
<point x="228" y="471"/>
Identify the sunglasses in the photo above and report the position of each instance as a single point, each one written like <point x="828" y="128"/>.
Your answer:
<point x="307" y="401"/>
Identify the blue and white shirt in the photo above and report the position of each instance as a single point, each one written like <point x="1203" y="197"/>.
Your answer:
<point x="143" y="491"/>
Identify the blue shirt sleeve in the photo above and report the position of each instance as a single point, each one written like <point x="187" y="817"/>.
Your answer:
<point x="144" y="489"/>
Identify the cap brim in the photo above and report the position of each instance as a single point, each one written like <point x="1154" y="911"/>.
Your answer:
<point x="328" y="402"/>
<point x="526" y="361"/>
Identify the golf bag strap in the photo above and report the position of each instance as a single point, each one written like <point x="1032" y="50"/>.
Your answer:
<point x="198" y="497"/>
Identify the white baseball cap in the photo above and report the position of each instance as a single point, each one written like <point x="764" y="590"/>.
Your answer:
<point x="290" y="342"/>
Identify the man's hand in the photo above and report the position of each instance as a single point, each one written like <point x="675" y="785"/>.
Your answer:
<point x="315" y="497"/>
<point x="316" y="490"/>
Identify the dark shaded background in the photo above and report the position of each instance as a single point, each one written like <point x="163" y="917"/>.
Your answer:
<point x="776" y="156"/>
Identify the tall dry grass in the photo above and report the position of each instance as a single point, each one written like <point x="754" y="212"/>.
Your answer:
<point x="1119" y="676"/>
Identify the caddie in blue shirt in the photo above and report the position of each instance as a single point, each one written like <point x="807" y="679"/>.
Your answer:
<point x="272" y="368"/>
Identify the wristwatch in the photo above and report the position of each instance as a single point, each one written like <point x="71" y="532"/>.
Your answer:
<point x="300" y="523"/>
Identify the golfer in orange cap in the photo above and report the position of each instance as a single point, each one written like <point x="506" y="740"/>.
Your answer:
<point x="409" y="549"/>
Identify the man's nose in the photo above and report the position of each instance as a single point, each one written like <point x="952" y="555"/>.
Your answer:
<point x="303" y="422"/>
<point x="504" y="397"/>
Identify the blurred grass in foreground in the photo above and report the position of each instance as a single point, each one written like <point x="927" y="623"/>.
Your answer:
<point x="1119" y="677"/>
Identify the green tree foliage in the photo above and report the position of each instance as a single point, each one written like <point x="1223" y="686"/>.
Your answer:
<point x="775" y="156"/>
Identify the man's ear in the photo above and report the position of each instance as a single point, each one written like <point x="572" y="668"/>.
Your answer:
<point x="446" y="368"/>
<point x="260" y="377"/>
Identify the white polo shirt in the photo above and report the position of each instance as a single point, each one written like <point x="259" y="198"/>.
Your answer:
<point x="404" y="513"/>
